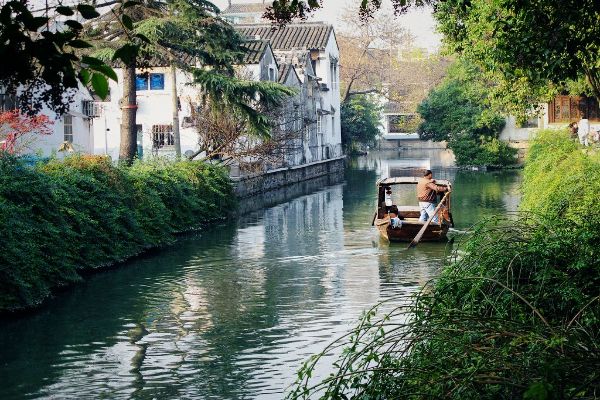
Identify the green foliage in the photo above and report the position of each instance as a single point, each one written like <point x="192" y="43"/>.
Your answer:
<point x="45" y="64"/>
<point x="515" y="314"/>
<point x="247" y="99"/>
<point x="532" y="44"/>
<point x="360" y="120"/>
<point x="459" y="112"/>
<point x="64" y="217"/>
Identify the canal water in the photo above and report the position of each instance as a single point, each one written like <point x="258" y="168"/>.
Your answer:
<point x="231" y="313"/>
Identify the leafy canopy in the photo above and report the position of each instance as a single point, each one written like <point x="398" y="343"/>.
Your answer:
<point x="535" y="43"/>
<point x="459" y="111"/>
<point x="44" y="61"/>
<point x="360" y="119"/>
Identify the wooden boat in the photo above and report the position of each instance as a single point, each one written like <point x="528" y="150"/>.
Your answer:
<point x="409" y="215"/>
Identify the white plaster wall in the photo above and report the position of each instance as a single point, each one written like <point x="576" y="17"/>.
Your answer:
<point x="332" y="123"/>
<point x="512" y="132"/>
<point x="48" y="145"/>
<point x="155" y="107"/>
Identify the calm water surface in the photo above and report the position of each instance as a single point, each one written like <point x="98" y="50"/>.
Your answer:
<point x="233" y="312"/>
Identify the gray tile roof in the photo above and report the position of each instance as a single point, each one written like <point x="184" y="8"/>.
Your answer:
<point x="284" y="70"/>
<point x="256" y="49"/>
<point x="247" y="8"/>
<point x="312" y="35"/>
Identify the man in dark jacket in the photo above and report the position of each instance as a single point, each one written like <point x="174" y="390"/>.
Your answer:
<point x="427" y="192"/>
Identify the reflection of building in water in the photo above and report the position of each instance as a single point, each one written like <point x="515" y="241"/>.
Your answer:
<point x="390" y="163"/>
<point x="250" y="242"/>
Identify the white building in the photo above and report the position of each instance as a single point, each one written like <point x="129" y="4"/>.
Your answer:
<point x="71" y="132"/>
<point x="154" y="117"/>
<point x="315" y="44"/>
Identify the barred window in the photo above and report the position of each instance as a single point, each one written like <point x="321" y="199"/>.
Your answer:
<point x="162" y="135"/>
<point x="68" y="128"/>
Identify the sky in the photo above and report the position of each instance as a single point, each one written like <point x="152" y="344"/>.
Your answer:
<point x="419" y="22"/>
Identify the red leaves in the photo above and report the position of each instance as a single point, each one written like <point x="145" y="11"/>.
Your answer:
<point x="16" y="127"/>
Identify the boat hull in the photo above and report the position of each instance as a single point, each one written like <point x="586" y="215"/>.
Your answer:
<point x="409" y="229"/>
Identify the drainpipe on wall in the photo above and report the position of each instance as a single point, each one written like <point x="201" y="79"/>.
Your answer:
<point x="176" y="136"/>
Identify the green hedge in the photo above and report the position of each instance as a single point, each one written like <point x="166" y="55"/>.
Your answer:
<point x="515" y="315"/>
<point x="63" y="217"/>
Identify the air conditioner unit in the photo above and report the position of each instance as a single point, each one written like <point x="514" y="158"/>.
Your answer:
<point x="91" y="109"/>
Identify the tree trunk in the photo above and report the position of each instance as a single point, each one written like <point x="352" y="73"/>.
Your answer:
<point x="176" y="135"/>
<point x="593" y="77"/>
<point x="128" y="102"/>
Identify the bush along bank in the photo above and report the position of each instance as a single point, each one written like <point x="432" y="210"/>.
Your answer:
<point x="515" y="315"/>
<point x="61" y="218"/>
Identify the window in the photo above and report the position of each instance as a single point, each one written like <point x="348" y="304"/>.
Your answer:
<point x="298" y="122"/>
<point x="564" y="109"/>
<point x="272" y="74"/>
<point x="8" y="102"/>
<point x="150" y="82"/>
<point x="333" y="70"/>
<point x="141" y="82"/>
<point x="320" y="124"/>
<point x="140" y="141"/>
<point x="157" y="81"/>
<point x="68" y="128"/>
<point x="532" y="122"/>
<point x="162" y="135"/>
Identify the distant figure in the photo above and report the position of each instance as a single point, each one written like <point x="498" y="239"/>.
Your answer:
<point x="584" y="130"/>
<point x="395" y="220"/>
<point x="427" y="192"/>
<point x="573" y="129"/>
<point x="388" y="199"/>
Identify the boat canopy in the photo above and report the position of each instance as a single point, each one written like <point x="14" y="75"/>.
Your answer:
<point x="403" y="180"/>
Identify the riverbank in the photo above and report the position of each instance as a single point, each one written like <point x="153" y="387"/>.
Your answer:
<point x="62" y="218"/>
<point x="514" y="314"/>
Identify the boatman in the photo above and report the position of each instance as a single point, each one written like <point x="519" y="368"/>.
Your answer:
<point x="427" y="192"/>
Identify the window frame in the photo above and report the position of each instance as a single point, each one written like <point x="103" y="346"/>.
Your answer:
<point x="68" y="126"/>
<point x="147" y="77"/>
<point x="162" y="136"/>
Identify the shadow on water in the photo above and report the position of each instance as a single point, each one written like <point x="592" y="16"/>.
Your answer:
<point x="232" y="312"/>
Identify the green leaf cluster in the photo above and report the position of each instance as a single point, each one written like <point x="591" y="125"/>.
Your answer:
<point x="360" y="120"/>
<point x="459" y="111"/>
<point x="44" y="54"/>
<point x="61" y="218"/>
<point x="535" y="44"/>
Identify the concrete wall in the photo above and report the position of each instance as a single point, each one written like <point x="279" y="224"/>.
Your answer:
<point x="254" y="184"/>
<point x="396" y="144"/>
<point x="284" y="194"/>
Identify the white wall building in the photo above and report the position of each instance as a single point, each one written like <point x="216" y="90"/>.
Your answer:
<point x="72" y="131"/>
<point x="154" y="116"/>
<point x="317" y="43"/>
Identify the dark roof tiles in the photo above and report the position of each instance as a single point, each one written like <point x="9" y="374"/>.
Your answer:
<point x="291" y="36"/>
<point x="256" y="49"/>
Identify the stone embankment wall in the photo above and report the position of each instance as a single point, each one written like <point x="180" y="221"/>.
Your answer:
<point x="260" y="183"/>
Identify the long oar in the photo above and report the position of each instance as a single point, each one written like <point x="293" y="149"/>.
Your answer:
<point x="417" y="238"/>
<point x="374" y="216"/>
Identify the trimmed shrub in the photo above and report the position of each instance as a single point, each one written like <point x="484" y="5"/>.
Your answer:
<point x="63" y="217"/>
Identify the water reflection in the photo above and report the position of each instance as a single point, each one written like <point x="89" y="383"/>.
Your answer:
<point x="233" y="312"/>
